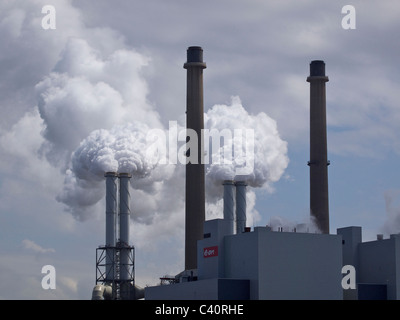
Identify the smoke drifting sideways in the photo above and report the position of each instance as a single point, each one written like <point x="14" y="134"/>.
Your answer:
<point x="307" y="225"/>
<point x="392" y="203"/>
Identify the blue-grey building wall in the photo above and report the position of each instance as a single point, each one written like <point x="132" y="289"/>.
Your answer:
<point x="379" y="263"/>
<point x="286" y="265"/>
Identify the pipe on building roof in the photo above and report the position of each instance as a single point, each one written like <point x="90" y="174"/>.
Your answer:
<point x="240" y="206"/>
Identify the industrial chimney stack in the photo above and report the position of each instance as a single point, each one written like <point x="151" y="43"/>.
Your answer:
<point x="125" y="264"/>
<point x="117" y="256"/>
<point x="240" y="206"/>
<point x="319" y="202"/>
<point x="111" y="223"/>
<point x="195" y="195"/>
<point x="229" y="204"/>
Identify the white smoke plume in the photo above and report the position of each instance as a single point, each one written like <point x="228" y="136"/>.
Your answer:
<point x="121" y="149"/>
<point x="86" y="91"/>
<point x="392" y="202"/>
<point x="308" y="225"/>
<point x="268" y="152"/>
<point x="96" y="118"/>
<point x="263" y="152"/>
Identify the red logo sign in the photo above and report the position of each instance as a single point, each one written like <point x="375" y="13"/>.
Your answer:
<point x="210" y="252"/>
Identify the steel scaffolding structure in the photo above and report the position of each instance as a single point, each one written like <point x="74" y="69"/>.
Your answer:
<point x="108" y="269"/>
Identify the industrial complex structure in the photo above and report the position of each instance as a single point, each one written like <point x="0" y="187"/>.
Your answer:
<point x="225" y="259"/>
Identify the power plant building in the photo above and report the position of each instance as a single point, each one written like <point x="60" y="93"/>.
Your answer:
<point x="226" y="260"/>
<point x="377" y="265"/>
<point x="273" y="265"/>
<point x="262" y="264"/>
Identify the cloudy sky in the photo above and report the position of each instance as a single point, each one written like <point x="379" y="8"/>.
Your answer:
<point x="78" y="99"/>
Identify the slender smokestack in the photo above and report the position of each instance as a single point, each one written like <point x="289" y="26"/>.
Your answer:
<point x="111" y="217"/>
<point x="240" y="206"/>
<point x="319" y="202"/>
<point x="195" y="196"/>
<point x="124" y="208"/>
<point x="124" y="214"/>
<point x="229" y="213"/>
<point x="124" y="248"/>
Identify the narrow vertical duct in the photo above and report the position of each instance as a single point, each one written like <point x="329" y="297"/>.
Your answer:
<point x="111" y="217"/>
<point x="117" y="282"/>
<point x="319" y="202"/>
<point x="240" y="206"/>
<point x="194" y="192"/>
<point x="229" y="213"/>
<point x="124" y="208"/>
<point x="124" y="215"/>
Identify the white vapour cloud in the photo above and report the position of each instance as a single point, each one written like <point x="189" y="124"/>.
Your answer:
<point x="121" y="149"/>
<point x="392" y="202"/>
<point x="267" y="158"/>
<point x="124" y="148"/>
<point x="96" y="117"/>
<point x="307" y="225"/>
<point x="31" y="245"/>
<point x="86" y="92"/>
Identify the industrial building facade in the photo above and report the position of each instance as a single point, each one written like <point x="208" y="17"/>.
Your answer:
<point x="274" y="265"/>
<point x="377" y="265"/>
<point x="225" y="260"/>
<point x="262" y="264"/>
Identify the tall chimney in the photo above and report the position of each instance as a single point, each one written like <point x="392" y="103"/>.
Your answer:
<point x="124" y="215"/>
<point x="111" y="217"/>
<point x="240" y="206"/>
<point x="195" y="196"/>
<point x="319" y="202"/>
<point x="124" y="208"/>
<point x="229" y="213"/>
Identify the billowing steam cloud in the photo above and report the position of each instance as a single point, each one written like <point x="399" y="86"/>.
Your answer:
<point x="86" y="92"/>
<point x="121" y="149"/>
<point x="97" y="118"/>
<point x="255" y="154"/>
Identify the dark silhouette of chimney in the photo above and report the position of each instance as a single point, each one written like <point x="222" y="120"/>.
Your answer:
<point x="195" y="195"/>
<point x="319" y="201"/>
